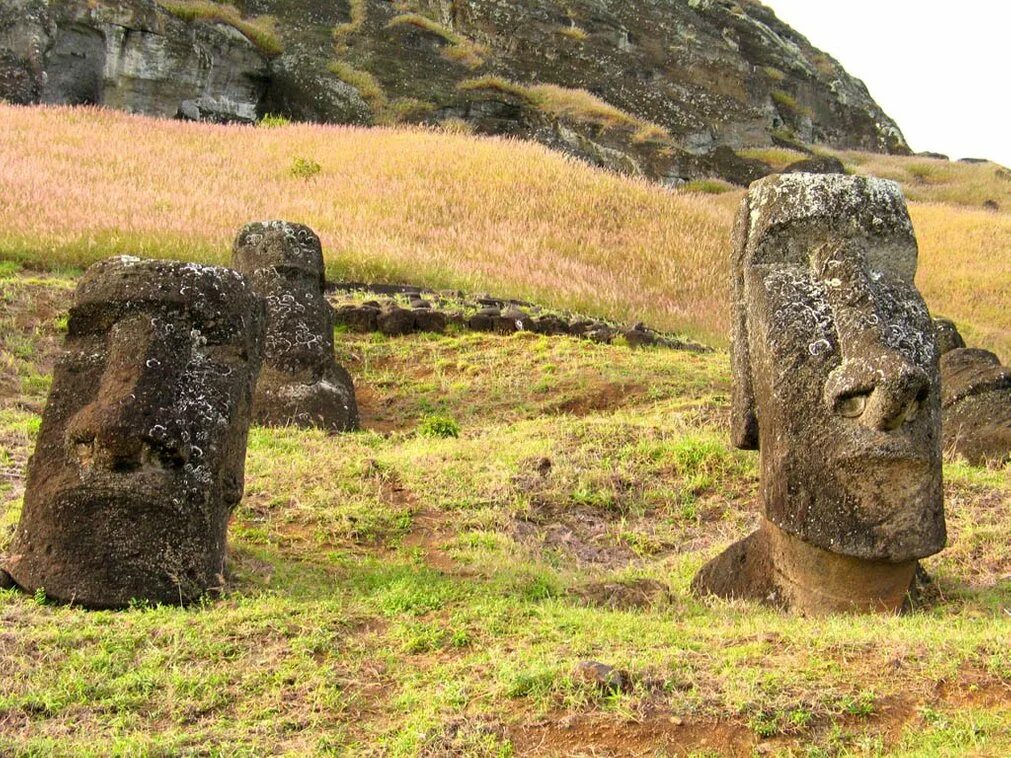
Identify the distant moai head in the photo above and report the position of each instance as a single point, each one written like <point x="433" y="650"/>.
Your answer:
<point x="141" y="454"/>
<point x="836" y="367"/>
<point x="301" y="383"/>
<point x="976" y="406"/>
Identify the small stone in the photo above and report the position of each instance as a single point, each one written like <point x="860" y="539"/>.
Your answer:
<point x="430" y="321"/>
<point x="549" y="325"/>
<point x="607" y="679"/>
<point x="394" y="321"/>
<point x="484" y="320"/>
<point x="361" y="319"/>
<point x="544" y="466"/>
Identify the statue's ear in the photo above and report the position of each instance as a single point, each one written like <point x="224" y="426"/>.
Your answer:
<point x="743" y="418"/>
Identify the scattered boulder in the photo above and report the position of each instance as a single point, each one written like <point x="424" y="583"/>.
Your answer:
<point x="935" y="156"/>
<point x="430" y="321"/>
<point x="976" y="401"/>
<point x="550" y="325"/>
<point x="394" y="321"/>
<point x="818" y="164"/>
<point x="301" y="383"/>
<point x="991" y="205"/>
<point x="358" y="318"/>
<point x="844" y="408"/>
<point x="140" y="457"/>
<point x="485" y="319"/>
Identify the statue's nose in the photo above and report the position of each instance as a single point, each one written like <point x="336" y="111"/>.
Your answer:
<point x="883" y="393"/>
<point x="119" y="429"/>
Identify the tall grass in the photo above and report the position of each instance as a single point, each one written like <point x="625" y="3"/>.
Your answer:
<point x="451" y="210"/>
<point x="441" y="209"/>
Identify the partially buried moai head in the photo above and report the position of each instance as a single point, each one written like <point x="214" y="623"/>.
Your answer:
<point x="140" y="457"/>
<point x="301" y="383"/>
<point x="836" y="383"/>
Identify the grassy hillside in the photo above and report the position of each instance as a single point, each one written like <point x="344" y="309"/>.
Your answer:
<point x="448" y="210"/>
<point x="393" y="593"/>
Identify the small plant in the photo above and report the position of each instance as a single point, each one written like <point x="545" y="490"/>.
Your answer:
<point x="709" y="186"/>
<point x="273" y="121"/>
<point x="574" y="32"/>
<point x="438" y="426"/>
<point x="40" y="596"/>
<point x="304" y="168"/>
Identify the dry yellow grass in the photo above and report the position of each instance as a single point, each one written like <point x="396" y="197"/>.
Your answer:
<point x="261" y="31"/>
<point x="441" y="209"/>
<point x="931" y="180"/>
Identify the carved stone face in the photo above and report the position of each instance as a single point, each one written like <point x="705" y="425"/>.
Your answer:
<point x="300" y="383"/>
<point x="836" y="368"/>
<point x="140" y="457"/>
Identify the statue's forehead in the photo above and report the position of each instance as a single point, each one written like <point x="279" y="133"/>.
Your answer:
<point x="279" y="243"/>
<point x="791" y="219"/>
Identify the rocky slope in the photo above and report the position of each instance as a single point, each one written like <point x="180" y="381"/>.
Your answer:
<point x="665" y="88"/>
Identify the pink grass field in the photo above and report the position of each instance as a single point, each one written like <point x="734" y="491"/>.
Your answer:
<point x="447" y="210"/>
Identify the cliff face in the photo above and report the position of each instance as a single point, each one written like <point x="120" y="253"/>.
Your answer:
<point x="664" y="88"/>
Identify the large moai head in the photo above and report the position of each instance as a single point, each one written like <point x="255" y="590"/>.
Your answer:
<point x="300" y="383"/>
<point x="141" y="454"/>
<point x="836" y="379"/>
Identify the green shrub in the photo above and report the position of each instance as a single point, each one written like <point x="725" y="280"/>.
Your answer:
<point x="272" y="121"/>
<point x="438" y="426"/>
<point x="304" y="168"/>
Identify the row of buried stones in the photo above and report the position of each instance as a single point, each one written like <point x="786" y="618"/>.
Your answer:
<point x="140" y="457"/>
<point x="487" y="314"/>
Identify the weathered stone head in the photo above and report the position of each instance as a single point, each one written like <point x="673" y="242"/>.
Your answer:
<point x="836" y="383"/>
<point x="301" y="383"/>
<point x="976" y="402"/>
<point x="140" y="458"/>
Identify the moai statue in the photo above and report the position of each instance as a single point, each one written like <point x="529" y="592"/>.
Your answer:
<point x="836" y="383"/>
<point x="141" y="455"/>
<point x="976" y="403"/>
<point x="301" y="383"/>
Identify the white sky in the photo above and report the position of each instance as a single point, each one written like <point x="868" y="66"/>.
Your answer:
<point x="940" y="68"/>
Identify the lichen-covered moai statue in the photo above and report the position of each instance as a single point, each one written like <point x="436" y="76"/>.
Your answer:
<point x="141" y="454"/>
<point x="976" y="403"/>
<point x="836" y="383"/>
<point x="301" y="383"/>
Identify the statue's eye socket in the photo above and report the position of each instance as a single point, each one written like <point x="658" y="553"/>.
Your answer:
<point x="852" y="406"/>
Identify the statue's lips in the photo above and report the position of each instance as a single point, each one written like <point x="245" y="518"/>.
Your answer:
<point x="140" y="489"/>
<point x="892" y="457"/>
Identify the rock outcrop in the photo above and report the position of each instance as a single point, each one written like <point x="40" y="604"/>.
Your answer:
<point x="667" y="89"/>
<point x="129" y="54"/>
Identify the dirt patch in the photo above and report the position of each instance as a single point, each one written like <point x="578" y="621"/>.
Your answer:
<point x="589" y="735"/>
<point x="584" y="534"/>
<point x="606" y="397"/>
<point x="429" y="527"/>
<point x="623" y="596"/>
<point x="380" y="414"/>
